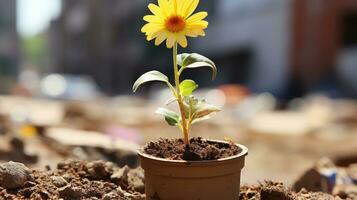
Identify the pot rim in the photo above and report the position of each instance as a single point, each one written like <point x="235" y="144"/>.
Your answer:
<point x="244" y="152"/>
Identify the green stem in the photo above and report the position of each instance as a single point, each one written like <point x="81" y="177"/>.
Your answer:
<point x="180" y="71"/>
<point x="179" y="97"/>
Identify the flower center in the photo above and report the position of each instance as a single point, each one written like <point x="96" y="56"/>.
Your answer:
<point x="175" y="24"/>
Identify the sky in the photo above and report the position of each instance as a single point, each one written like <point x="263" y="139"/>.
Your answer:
<point x="34" y="16"/>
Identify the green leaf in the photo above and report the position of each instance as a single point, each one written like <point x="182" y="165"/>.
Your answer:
<point x="171" y="117"/>
<point x="204" y="110"/>
<point x="181" y="58"/>
<point x="201" y="119"/>
<point x="190" y="103"/>
<point x="187" y="106"/>
<point x="150" y="76"/>
<point x="187" y="87"/>
<point x="195" y="60"/>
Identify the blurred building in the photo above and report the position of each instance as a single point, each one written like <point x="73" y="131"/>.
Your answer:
<point x="286" y="47"/>
<point x="98" y="38"/>
<point x="295" y="46"/>
<point x="103" y="39"/>
<point x="9" y="50"/>
<point x="252" y="39"/>
<point x="324" y="45"/>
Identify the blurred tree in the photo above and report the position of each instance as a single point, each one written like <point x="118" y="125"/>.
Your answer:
<point x="35" y="50"/>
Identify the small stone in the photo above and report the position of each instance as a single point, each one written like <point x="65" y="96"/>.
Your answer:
<point x="132" y="196"/>
<point x="14" y="175"/>
<point x="99" y="170"/>
<point x="26" y="192"/>
<point x="111" y="196"/>
<point x="36" y="197"/>
<point x="63" y="165"/>
<point x="45" y="195"/>
<point x="58" y="181"/>
<point x="48" y="168"/>
<point x="68" y="177"/>
<point x="120" y="192"/>
<point x="29" y="184"/>
<point x="136" y="180"/>
<point x="71" y="193"/>
<point x="121" y="175"/>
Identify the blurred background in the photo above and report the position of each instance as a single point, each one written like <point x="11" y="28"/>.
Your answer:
<point x="287" y="48"/>
<point x="286" y="82"/>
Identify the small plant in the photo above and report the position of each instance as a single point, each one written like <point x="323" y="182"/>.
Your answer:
<point x="173" y="21"/>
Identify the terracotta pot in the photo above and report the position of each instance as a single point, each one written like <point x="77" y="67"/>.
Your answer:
<point x="192" y="180"/>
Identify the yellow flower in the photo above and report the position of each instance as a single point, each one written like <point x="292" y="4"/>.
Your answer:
<point x="172" y="20"/>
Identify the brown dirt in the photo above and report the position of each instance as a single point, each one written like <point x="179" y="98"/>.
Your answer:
<point x="199" y="149"/>
<point x="277" y="191"/>
<point x="80" y="180"/>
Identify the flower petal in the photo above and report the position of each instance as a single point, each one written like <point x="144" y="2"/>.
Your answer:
<point x="156" y="10"/>
<point x="171" y="39"/>
<point x="182" y="40"/>
<point x="197" y="25"/>
<point x="189" y="8"/>
<point x="173" y="6"/>
<point x="180" y="6"/>
<point x="165" y="7"/>
<point x="161" y="36"/>
<point x="151" y="27"/>
<point x="195" y="32"/>
<point x="197" y="17"/>
<point x="145" y="28"/>
<point x="153" y="19"/>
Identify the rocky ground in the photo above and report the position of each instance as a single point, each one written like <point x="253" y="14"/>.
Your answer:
<point x="277" y="191"/>
<point x="73" y="180"/>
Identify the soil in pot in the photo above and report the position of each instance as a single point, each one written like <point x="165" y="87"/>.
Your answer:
<point x="198" y="150"/>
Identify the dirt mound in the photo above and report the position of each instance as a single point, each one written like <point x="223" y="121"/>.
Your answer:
<point x="277" y="191"/>
<point x="80" y="180"/>
<point x="199" y="149"/>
